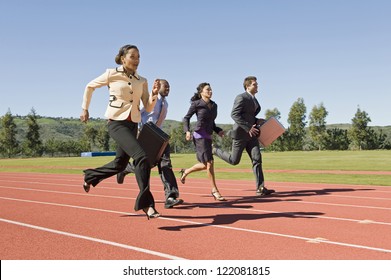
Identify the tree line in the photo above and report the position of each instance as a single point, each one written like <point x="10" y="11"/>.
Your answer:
<point x="311" y="134"/>
<point x="317" y="136"/>
<point x="93" y="137"/>
<point x="302" y="134"/>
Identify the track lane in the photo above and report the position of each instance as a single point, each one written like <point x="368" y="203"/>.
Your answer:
<point x="201" y="217"/>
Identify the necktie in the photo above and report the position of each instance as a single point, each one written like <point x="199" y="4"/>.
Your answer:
<point x="162" y="115"/>
<point x="256" y="105"/>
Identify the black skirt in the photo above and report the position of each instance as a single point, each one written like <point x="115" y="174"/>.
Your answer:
<point x="203" y="149"/>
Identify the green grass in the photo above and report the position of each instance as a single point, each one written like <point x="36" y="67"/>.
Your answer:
<point x="379" y="160"/>
<point x="324" y="160"/>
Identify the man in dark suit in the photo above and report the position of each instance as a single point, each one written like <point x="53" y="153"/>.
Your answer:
<point x="245" y="133"/>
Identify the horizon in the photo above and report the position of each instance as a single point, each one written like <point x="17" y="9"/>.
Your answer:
<point x="219" y="123"/>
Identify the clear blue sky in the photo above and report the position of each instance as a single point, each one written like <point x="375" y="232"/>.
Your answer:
<point x="333" y="51"/>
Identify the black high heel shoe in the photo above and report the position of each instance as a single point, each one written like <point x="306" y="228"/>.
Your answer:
<point x="86" y="187"/>
<point x="151" y="212"/>
<point x="182" y="172"/>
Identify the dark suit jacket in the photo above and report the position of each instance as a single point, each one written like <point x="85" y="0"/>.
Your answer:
<point x="243" y="113"/>
<point x="205" y="117"/>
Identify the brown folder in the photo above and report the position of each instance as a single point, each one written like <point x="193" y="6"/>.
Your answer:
<point x="270" y="131"/>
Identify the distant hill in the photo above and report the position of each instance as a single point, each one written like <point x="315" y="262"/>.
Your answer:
<point x="59" y="128"/>
<point x="72" y="128"/>
<point x="385" y="129"/>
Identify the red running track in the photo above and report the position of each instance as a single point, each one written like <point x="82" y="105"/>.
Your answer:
<point x="49" y="216"/>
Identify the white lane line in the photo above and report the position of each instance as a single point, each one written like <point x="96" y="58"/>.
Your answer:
<point x="217" y="226"/>
<point x="83" y="193"/>
<point x="79" y="186"/>
<point x="342" y="205"/>
<point x="120" y="197"/>
<point x="359" y="197"/>
<point x="317" y="240"/>
<point x="245" y="182"/>
<point x="69" y="193"/>
<point x="227" y="185"/>
<point x="102" y="241"/>
<point x="196" y="187"/>
<point x="366" y="222"/>
<point x="288" y="236"/>
<point x="69" y="206"/>
<point x="303" y="214"/>
<point x="212" y="205"/>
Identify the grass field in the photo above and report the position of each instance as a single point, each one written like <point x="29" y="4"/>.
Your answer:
<point x="326" y="161"/>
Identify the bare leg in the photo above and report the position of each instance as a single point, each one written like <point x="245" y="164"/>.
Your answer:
<point x="196" y="167"/>
<point x="209" y="166"/>
<point x="211" y="175"/>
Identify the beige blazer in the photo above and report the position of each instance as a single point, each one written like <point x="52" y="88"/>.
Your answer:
<point x="125" y="94"/>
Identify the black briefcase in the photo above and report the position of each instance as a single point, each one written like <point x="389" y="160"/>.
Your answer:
<point x="154" y="141"/>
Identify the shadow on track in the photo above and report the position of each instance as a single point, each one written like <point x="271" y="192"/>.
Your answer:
<point x="228" y="219"/>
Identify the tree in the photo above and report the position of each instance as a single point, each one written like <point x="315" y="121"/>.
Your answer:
<point x="224" y="142"/>
<point x="376" y="140"/>
<point x="336" y="139"/>
<point x="178" y="141"/>
<point x="317" y="125"/>
<point x="296" y="131"/>
<point x="272" y="113"/>
<point x="32" y="146"/>
<point x="52" y="146"/>
<point x="90" y="134"/>
<point x="103" y="138"/>
<point x="9" y="146"/>
<point x="359" y="132"/>
<point x="71" y="147"/>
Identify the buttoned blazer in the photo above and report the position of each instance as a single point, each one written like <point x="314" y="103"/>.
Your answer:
<point x="205" y="117"/>
<point x="244" y="114"/>
<point x="126" y="93"/>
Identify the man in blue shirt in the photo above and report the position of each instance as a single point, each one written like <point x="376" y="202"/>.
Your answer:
<point x="157" y="116"/>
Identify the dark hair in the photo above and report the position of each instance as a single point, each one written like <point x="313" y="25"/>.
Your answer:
<point x="248" y="80"/>
<point x="123" y="51"/>
<point x="197" y="95"/>
<point x="163" y="80"/>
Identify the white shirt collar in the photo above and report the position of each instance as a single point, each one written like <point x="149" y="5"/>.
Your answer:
<point x="253" y="96"/>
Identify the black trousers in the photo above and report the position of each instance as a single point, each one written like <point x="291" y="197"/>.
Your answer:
<point x="124" y="134"/>
<point x="167" y="175"/>
<point x="252" y="148"/>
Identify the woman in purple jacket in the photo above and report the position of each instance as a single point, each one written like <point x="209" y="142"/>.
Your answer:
<point x="206" y="111"/>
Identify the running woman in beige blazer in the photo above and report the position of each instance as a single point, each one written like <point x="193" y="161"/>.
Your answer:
<point x="127" y="89"/>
